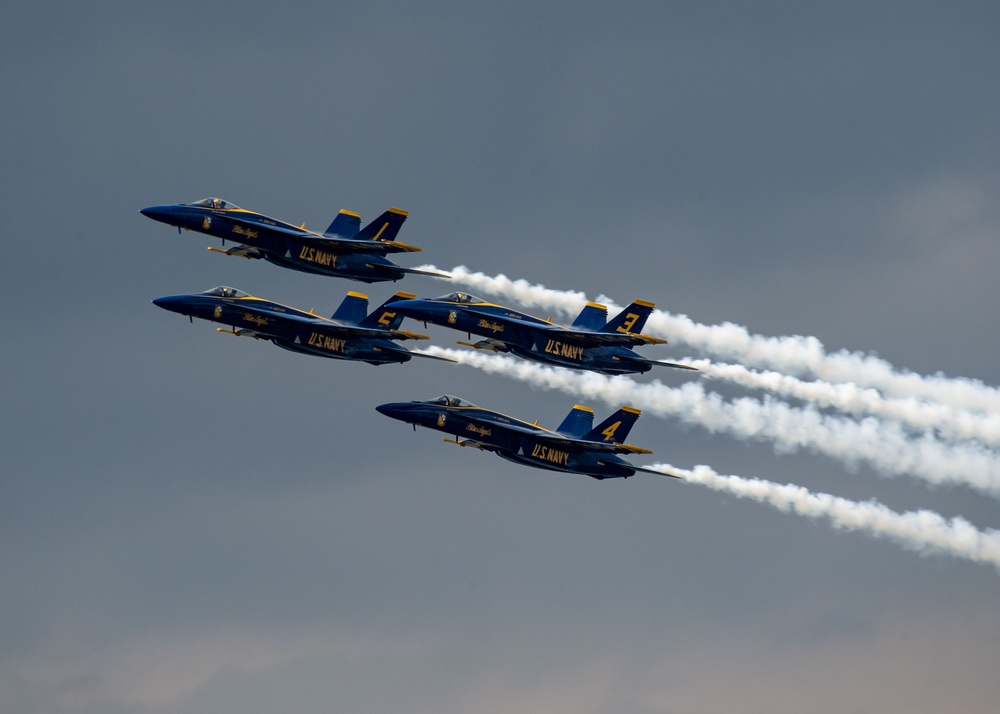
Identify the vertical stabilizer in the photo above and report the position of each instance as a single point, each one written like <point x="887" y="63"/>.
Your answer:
<point x="592" y="317"/>
<point x="578" y="422"/>
<point x="385" y="227"/>
<point x="631" y="319"/>
<point x="345" y="225"/>
<point x="353" y="309"/>
<point x="616" y="427"/>
<point x="384" y="316"/>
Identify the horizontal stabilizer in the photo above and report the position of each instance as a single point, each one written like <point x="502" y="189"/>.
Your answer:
<point x="428" y="356"/>
<point x="657" y="363"/>
<point x="431" y="273"/>
<point x="633" y="449"/>
<point x="654" y="471"/>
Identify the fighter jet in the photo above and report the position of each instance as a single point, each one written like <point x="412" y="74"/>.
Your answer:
<point x="343" y="250"/>
<point x="592" y="342"/>
<point x="351" y="333"/>
<point x="577" y="446"/>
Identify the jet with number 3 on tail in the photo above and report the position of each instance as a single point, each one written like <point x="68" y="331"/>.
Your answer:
<point x="343" y="250"/>
<point x="351" y="334"/>
<point x="577" y="446"/>
<point x="592" y="342"/>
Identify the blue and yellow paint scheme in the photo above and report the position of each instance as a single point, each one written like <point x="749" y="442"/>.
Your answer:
<point x="592" y="342"/>
<point x="576" y="447"/>
<point x="344" y="250"/>
<point x="350" y="334"/>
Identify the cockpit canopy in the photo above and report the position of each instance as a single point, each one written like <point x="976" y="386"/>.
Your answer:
<point x="449" y="401"/>
<point x="214" y="203"/>
<point x="223" y="291"/>
<point x="460" y="297"/>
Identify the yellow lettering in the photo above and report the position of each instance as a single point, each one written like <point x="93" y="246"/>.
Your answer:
<point x="317" y="256"/>
<point x="241" y="231"/>
<point x="545" y="453"/>
<point x="386" y="318"/>
<point x="563" y="349"/>
<point x="334" y="344"/>
<point x="488" y="325"/>
<point x="610" y="431"/>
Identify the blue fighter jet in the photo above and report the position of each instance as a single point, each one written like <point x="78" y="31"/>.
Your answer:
<point x="344" y="250"/>
<point x="577" y="446"/>
<point x="592" y="342"/>
<point x="351" y="333"/>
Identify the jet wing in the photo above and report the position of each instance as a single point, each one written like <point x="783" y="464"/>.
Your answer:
<point x="329" y="327"/>
<point x="558" y="439"/>
<point x="602" y="339"/>
<point x="350" y="245"/>
<point x="338" y="245"/>
<point x="584" y="338"/>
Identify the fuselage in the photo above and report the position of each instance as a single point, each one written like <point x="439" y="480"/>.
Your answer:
<point x="522" y="334"/>
<point x="274" y="240"/>
<point x="287" y="327"/>
<point x="511" y="439"/>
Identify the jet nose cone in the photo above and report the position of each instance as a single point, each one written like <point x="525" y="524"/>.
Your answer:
<point x="174" y="303"/>
<point x="164" y="214"/>
<point x="409" y="308"/>
<point x="394" y="410"/>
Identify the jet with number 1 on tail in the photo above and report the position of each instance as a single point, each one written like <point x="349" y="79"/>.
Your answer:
<point x="592" y="342"/>
<point x="577" y="446"/>
<point x="351" y="334"/>
<point x="344" y="249"/>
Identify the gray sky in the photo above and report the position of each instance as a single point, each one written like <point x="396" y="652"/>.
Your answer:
<point x="193" y="523"/>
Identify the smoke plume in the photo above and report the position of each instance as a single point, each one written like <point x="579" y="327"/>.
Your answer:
<point x="885" y="446"/>
<point x="922" y="531"/>
<point x="794" y="354"/>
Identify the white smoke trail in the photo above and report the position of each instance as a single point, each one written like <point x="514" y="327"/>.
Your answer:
<point x="951" y="423"/>
<point x="923" y="531"/>
<point x="886" y="447"/>
<point x="793" y="354"/>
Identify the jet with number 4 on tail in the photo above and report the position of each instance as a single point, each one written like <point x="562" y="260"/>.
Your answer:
<point x="592" y="342"/>
<point x="351" y="334"/>
<point x="577" y="446"/>
<point x="344" y="250"/>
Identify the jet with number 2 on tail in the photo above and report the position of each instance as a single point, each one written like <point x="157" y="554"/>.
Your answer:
<point x="577" y="446"/>
<point x="343" y="250"/>
<point x="351" y="334"/>
<point x="592" y="342"/>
